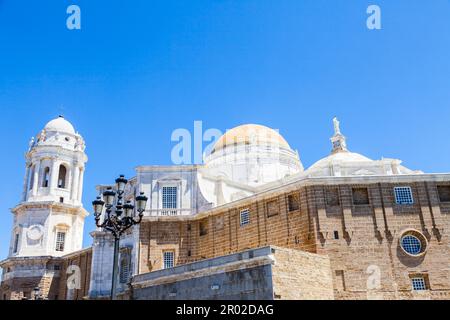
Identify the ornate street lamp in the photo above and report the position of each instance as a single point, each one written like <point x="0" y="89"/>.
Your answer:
<point x="118" y="218"/>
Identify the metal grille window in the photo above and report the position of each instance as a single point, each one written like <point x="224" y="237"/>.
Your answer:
<point x="403" y="195"/>
<point x="418" y="284"/>
<point x="125" y="268"/>
<point x="169" y="200"/>
<point x="169" y="259"/>
<point x="245" y="217"/>
<point x="60" y="241"/>
<point x="412" y="244"/>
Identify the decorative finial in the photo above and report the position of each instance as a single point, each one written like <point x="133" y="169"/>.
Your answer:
<point x="31" y="144"/>
<point x="338" y="140"/>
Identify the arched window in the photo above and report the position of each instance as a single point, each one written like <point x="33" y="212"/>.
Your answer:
<point x="62" y="177"/>
<point x="32" y="177"/>
<point x="46" y="180"/>
<point x="16" y="243"/>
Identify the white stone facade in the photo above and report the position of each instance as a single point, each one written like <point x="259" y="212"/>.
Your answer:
<point x="49" y="221"/>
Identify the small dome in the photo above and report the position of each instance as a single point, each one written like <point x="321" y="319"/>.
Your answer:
<point x="60" y="125"/>
<point x="340" y="157"/>
<point x="250" y="133"/>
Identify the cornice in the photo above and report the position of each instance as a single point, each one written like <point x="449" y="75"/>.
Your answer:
<point x="22" y="260"/>
<point x="305" y="182"/>
<point x="51" y="204"/>
<point x="186" y="168"/>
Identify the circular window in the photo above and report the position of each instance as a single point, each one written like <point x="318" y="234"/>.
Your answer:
<point x="413" y="243"/>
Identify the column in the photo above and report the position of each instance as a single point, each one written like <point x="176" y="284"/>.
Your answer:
<point x="37" y="169"/>
<point x="25" y="182"/>
<point x="54" y="174"/>
<point x="80" y="184"/>
<point x="76" y="175"/>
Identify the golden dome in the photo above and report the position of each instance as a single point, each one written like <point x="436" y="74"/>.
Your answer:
<point x="251" y="134"/>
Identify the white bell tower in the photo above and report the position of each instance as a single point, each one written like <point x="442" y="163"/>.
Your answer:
<point x="49" y="220"/>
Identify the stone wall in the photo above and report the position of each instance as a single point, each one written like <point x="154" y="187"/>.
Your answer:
<point x="367" y="244"/>
<point x="249" y="275"/>
<point x="78" y="263"/>
<point x="224" y="234"/>
<point x="361" y="240"/>
<point x="301" y="276"/>
<point x="22" y="275"/>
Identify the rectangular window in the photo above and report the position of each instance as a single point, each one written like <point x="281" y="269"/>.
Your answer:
<point x="336" y="235"/>
<point x="332" y="196"/>
<point x="403" y="195"/>
<point x="60" y="241"/>
<point x="219" y="223"/>
<point x="169" y="200"/>
<point x="203" y="228"/>
<point x="169" y="259"/>
<point x="272" y="208"/>
<point x="124" y="268"/>
<point x="444" y="193"/>
<point x="360" y="196"/>
<point x="294" y="202"/>
<point x="245" y="217"/>
<point x="16" y="243"/>
<point x="419" y="284"/>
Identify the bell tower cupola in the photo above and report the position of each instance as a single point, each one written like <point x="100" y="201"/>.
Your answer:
<point x="55" y="164"/>
<point x="49" y="219"/>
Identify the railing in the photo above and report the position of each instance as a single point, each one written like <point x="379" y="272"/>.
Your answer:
<point x="168" y="212"/>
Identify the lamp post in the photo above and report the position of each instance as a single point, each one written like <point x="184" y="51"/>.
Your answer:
<point x="118" y="217"/>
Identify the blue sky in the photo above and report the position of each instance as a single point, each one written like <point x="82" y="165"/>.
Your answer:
<point x="140" y="69"/>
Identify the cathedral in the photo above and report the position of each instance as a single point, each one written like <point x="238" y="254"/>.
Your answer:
<point x="250" y="223"/>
